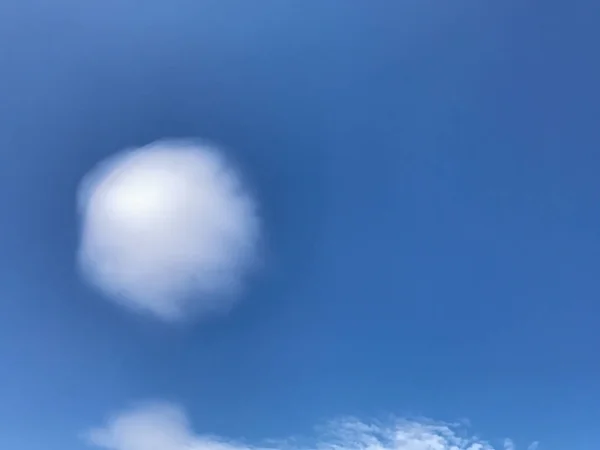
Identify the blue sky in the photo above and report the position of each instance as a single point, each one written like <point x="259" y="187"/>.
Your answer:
<point x="427" y="179"/>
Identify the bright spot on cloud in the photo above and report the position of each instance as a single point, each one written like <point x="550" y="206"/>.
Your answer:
<point x="168" y="229"/>
<point x="163" y="426"/>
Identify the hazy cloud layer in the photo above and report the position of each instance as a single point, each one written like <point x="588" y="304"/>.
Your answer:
<point x="167" y="229"/>
<point x="163" y="426"/>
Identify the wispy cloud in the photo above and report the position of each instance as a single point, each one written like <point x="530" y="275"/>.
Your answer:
<point x="509" y="444"/>
<point x="167" y="229"/>
<point x="163" y="426"/>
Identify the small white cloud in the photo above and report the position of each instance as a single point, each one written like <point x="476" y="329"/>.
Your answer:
<point x="163" y="426"/>
<point x="509" y="444"/>
<point x="167" y="229"/>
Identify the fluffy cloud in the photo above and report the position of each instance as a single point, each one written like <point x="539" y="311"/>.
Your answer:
<point x="163" y="426"/>
<point x="167" y="229"/>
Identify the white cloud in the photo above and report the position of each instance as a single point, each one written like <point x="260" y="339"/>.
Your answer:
<point x="509" y="444"/>
<point x="163" y="426"/>
<point x="167" y="229"/>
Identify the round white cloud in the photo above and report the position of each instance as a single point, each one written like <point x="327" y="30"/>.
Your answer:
<point x="168" y="229"/>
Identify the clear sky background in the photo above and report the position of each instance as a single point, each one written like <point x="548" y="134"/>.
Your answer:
<point x="428" y="177"/>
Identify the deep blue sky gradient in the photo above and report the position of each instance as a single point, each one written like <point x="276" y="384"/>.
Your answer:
<point x="428" y="177"/>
